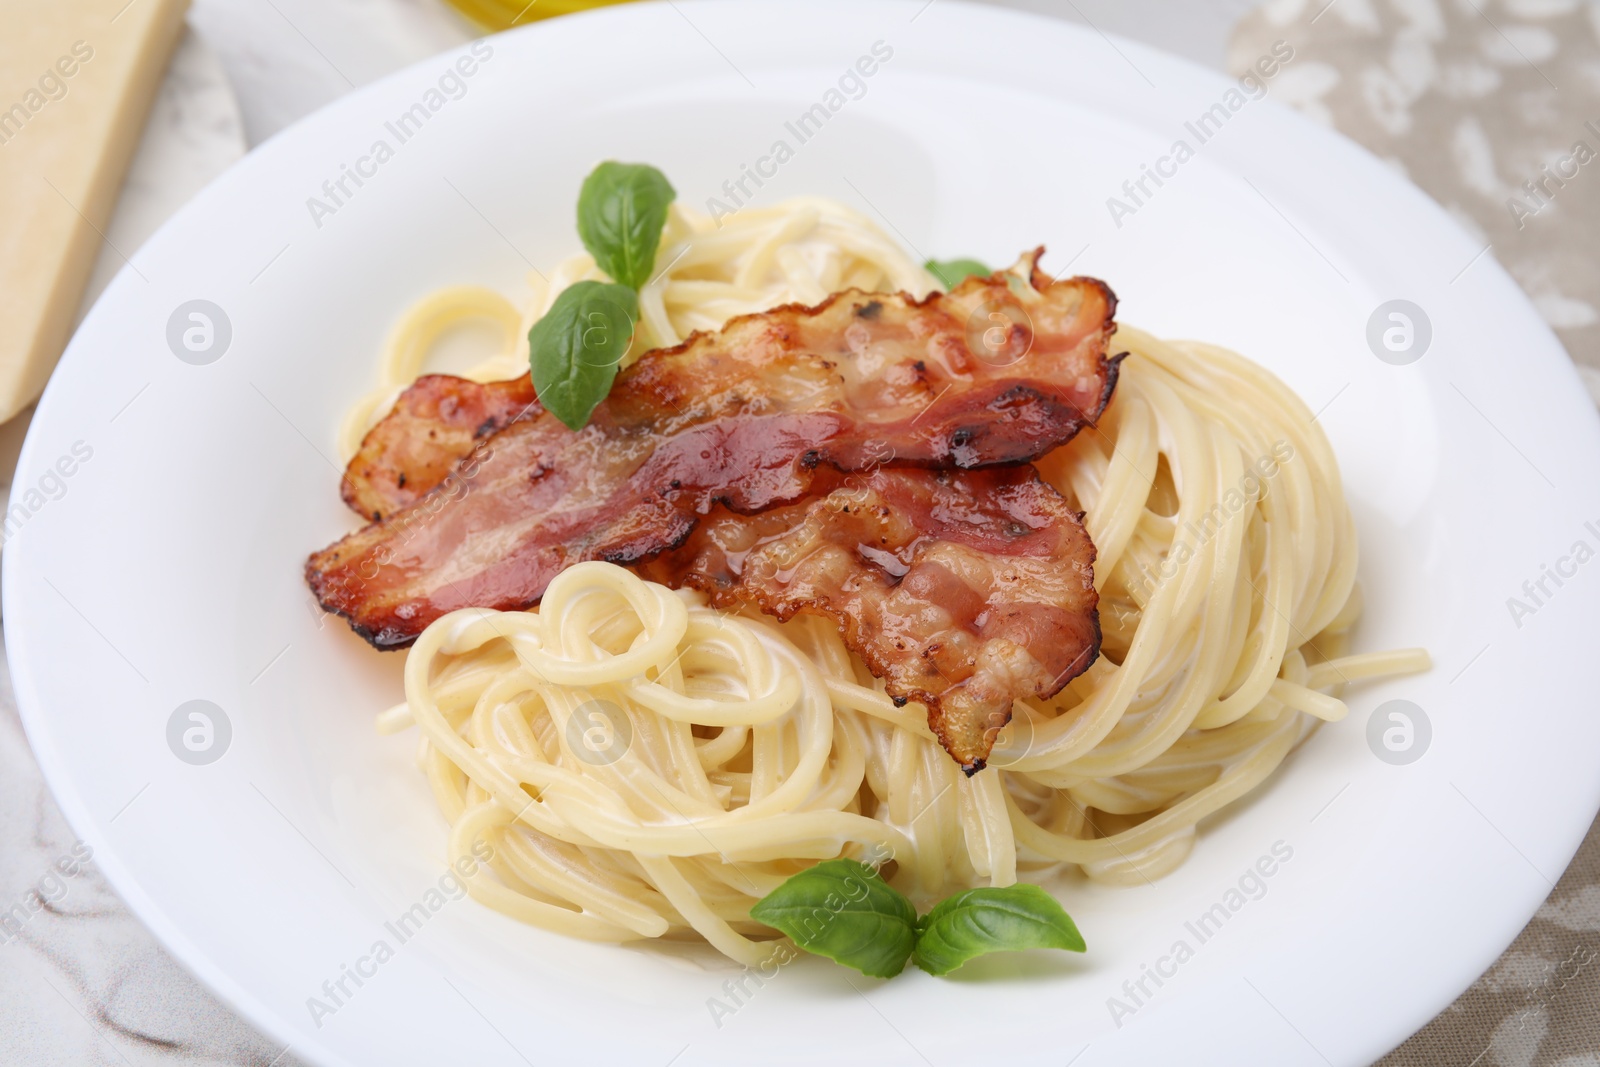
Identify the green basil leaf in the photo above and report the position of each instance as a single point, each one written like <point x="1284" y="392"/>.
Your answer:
<point x="574" y="350"/>
<point x="621" y="211"/>
<point x="951" y="271"/>
<point x="992" y="920"/>
<point x="843" y="910"/>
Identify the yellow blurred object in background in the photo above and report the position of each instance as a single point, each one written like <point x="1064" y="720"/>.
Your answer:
<point x="503" y="14"/>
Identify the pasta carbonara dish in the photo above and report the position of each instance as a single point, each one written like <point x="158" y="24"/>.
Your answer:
<point x="793" y="550"/>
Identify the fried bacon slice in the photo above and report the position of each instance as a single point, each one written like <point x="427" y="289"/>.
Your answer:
<point x="960" y="589"/>
<point x="1000" y="370"/>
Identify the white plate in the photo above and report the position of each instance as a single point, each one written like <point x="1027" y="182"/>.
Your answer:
<point x="169" y="568"/>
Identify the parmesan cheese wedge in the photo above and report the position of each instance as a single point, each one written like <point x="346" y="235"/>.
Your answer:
<point x="76" y="81"/>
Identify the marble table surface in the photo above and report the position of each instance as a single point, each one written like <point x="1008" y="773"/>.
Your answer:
<point x="81" y="981"/>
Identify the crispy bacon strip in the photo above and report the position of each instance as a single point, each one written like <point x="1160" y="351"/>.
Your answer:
<point x="1043" y="340"/>
<point x="960" y="589"/>
<point x="997" y="372"/>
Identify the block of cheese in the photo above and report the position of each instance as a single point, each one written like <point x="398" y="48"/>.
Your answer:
<point x="76" y="81"/>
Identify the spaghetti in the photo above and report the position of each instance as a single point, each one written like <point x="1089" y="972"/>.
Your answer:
<point x="647" y="767"/>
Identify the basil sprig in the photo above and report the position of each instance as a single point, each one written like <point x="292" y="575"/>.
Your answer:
<point x="844" y="910"/>
<point x="992" y="919"/>
<point x="950" y="272"/>
<point x="621" y="211"/>
<point x="574" y="350"/>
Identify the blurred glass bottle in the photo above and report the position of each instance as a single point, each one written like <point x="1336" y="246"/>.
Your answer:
<point x="503" y="14"/>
